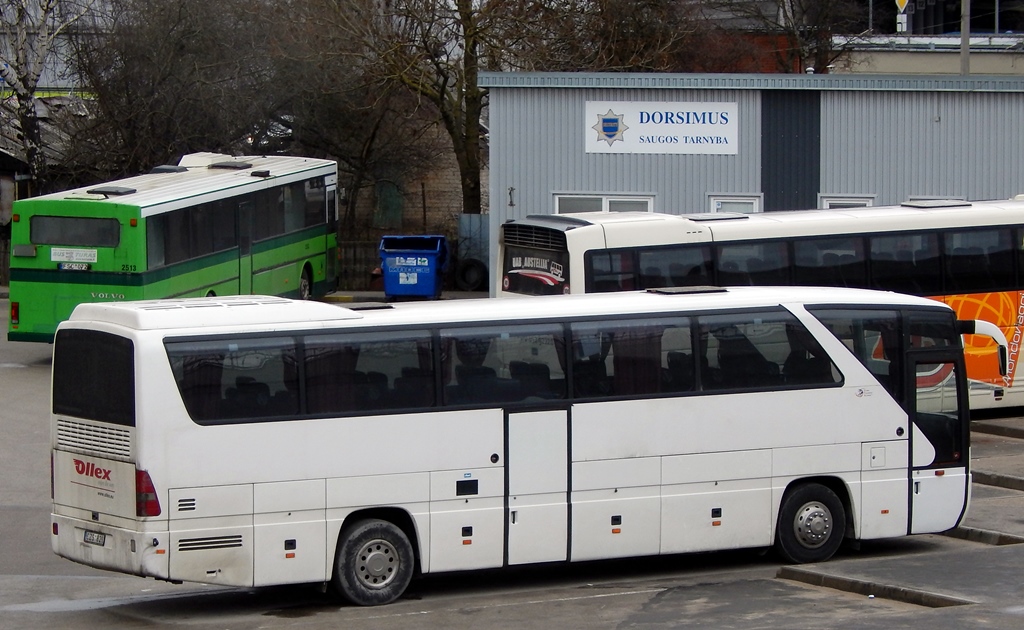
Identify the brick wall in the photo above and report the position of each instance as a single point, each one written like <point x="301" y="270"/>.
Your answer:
<point x="432" y="205"/>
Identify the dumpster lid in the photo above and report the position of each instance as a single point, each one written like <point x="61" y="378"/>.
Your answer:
<point x="430" y="242"/>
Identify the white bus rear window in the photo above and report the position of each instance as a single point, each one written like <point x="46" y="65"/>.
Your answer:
<point x="94" y="376"/>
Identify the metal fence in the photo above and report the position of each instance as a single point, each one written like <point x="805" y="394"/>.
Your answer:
<point x="357" y="260"/>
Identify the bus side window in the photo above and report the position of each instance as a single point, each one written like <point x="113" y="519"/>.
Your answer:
<point x="873" y="337"/>
<point x="632" y="357"/>
<point x="807" y="363"/>
<point x="236" y="379"/>
<point x="353" y="372"/>
<point x="761" y="351"/>
<point x="332" y="378"/>
<point x="517" y="364"/>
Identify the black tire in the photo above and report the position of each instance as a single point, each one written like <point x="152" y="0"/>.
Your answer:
<point x="812" y="524"/>
<point x="471" y="275"/>
<point x="305" y="285"/>
<point x="374" y="563"/>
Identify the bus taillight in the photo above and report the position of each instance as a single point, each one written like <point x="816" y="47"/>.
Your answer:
<point x="15" y="312"/>
<point x="146" y="501"/>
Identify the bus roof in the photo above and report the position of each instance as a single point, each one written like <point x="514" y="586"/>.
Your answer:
<point x="196" y="175"/>
<point x="242" y="314"/>
<point x="232" y="311"/>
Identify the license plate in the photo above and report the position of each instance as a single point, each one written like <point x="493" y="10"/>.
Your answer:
<point x="95" y="538"/>
<point x="73" y="266"/>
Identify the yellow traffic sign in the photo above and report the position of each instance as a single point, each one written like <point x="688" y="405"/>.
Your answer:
<point x="901" y="5"/>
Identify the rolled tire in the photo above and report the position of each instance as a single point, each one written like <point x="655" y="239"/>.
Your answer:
<point x="471" y="275"/>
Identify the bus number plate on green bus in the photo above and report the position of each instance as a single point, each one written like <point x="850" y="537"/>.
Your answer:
<point x="73" y="266"/>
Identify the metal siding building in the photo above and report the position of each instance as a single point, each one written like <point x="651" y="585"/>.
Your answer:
<point x="802" y="141"/>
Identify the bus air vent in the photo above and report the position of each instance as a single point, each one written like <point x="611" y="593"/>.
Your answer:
<point x="111" y="190"/>
<point x="369" y="306"/>
<point x="168" y="168"/>
<point x="94" y="439"/>
<point x="925" y="204"/>
<point x="533" y="236"/>
<point x="212" y="542"/>
<point x="705" y="217"/>
<point x="237" y="166"/>
<point x="687" y="290"/>
<point x="262" y="173"/>
<point x="186" y="505"/>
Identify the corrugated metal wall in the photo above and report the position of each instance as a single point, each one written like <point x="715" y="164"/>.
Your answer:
<point x="941" y="144"/>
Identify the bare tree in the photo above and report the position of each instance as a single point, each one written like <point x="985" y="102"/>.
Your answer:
<point x="433" y="48"/>
<point x="336" y="105"/>
<point x="167" y="78"/>
<point x="797" y="32"/>
<point x="612" y="36"/>
<point x="31" y="36"/>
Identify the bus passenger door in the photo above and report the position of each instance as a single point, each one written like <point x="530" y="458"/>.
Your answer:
<point x="939" y="443"/>
<point x="245" y="215"/>
<point x="537" y="469"/>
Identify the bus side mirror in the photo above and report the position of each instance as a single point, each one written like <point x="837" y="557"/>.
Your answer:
<point x="982" y="327"/>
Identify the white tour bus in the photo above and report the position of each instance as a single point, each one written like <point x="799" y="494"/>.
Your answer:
<point x="969" y="255"/>
<point x="253" y="441"/>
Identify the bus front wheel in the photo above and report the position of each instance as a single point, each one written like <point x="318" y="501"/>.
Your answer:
<point x="374" y="563"/>
<point x="812" y="523"/>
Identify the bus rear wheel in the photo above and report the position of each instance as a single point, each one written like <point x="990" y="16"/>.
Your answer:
<point x="374" y="563"/>
<point x="305" y="284"/>
<point x="812" y="523"/>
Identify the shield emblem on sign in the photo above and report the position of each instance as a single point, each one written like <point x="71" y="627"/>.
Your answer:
<point x="610" y="126"/>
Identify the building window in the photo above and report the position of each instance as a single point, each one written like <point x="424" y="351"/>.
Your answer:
<point x="602" y="203"/>
<point x="836" y="202"/>
<point x="744" y="204"/>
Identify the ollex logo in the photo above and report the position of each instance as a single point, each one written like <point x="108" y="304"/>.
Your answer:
<point x="90" y="469"/>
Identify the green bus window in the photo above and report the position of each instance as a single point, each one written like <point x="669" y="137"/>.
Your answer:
<point x="74" y="231"/>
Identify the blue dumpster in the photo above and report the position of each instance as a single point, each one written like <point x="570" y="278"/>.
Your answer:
<point x="413" y="265"/>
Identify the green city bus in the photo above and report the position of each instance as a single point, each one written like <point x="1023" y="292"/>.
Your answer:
<point x="211" y="225"/>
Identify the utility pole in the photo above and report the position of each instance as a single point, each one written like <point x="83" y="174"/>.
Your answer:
<point x="965" y="37"/>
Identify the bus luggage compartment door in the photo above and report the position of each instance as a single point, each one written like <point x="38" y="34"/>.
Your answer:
<point x="537" y="486"/>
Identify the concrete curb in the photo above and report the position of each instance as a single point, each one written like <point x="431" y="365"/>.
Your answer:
<point x="999" y="480"/>
<point x="985" y="536"/>
<point x="871" y="589"/>
<point x="1001" y="430"/>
